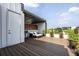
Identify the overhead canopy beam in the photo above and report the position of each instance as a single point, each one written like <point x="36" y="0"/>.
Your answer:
<point x="35" y="19"/>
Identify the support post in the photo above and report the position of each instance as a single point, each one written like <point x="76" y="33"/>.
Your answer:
<point x="45" y="27"/>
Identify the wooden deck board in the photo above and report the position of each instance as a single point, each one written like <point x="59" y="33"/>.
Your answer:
<point x="19" y="50"/>
<point x="38" y="50"/>
<point x="35" y="47"/>
<point x="3" y="52"/>
<point x="7" y="52"/>
<point x="47" y="48"/>
<point x="32" y="53"/>
<point x="12" y="52"/>
<point x="26" y="52"/>
<point x="15" y="52"/>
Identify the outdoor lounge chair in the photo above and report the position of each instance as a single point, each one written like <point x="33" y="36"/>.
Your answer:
<point x="36" y="34"/>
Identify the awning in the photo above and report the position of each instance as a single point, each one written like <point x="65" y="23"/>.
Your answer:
<point x="33" y="18"/>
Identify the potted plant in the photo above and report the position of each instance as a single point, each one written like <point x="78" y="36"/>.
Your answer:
<point x="72" y="44"/>
<point x="60" y="32"/>
<point x="51" y="33"/>
<point x="77" y="49"/>
<point x="74" y="40"/>
<point x="48" y="33"/>
<point x="77" y="52"/>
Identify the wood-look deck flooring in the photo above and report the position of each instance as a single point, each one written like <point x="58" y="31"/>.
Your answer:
<point x="35" y="47"/>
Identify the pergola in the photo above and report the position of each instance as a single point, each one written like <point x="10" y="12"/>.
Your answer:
<point x="33" y="19"/>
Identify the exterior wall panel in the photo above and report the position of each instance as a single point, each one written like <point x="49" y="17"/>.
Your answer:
<point x="22" y="28"/>
<point x="0" y="26"/>
<point x="4" y="11"/>
<point x="12" y="6"/>
<point x="41" y="27"/>
<point x="16" y="7"/>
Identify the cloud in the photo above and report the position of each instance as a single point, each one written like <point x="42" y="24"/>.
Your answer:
<point x="68" y="16"/>
<point x="35" y="5"/>
<point x="64" y="20"/>
<point x="74" y="9"/>
<point x="64" y="14"/>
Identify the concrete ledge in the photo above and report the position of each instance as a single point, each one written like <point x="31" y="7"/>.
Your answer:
<point x="48" y="35"/>
<point x="56" y="36"/>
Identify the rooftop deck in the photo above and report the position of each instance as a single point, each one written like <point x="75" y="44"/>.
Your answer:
<point x="38" y="47"/>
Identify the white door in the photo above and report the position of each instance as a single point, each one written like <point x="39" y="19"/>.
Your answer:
<point x="13" y="28"/>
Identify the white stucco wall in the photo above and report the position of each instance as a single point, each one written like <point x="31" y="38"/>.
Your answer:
<point x="22" y="28"/>
<point x="12" y="6"/>
<point x="41" y="27"/>
<point x="32" y="30"/>
<point x="0" y="26"/>
<point x="3" y="18"/>
<point x="4" y="10"/>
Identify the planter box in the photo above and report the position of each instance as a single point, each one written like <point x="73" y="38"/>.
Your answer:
<point x="72" y="44"/>
<point x="61" y="35"/>
<point x="65" y="36"/>
<point x="48" y="35"/>
<point x="77" y="53"/>
<point x="56" y="35"/>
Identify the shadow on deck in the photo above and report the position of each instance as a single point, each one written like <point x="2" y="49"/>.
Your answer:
<point x="34" y="47"/>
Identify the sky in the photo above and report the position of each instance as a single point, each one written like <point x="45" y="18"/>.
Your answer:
<point x="56" y="14"/>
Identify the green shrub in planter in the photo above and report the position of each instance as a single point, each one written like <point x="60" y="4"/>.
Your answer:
<point x="61" y="35"/>
<point x="48" y="31"/>
<point x="51" y="33"/>
<point x="73" y="39"/>
<point x="72" y="44"/>
<point x="69" y="31"/>
<point x="77" y="49"/>
<point x="76" y="31"/>
<point x="57" y="30"/>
